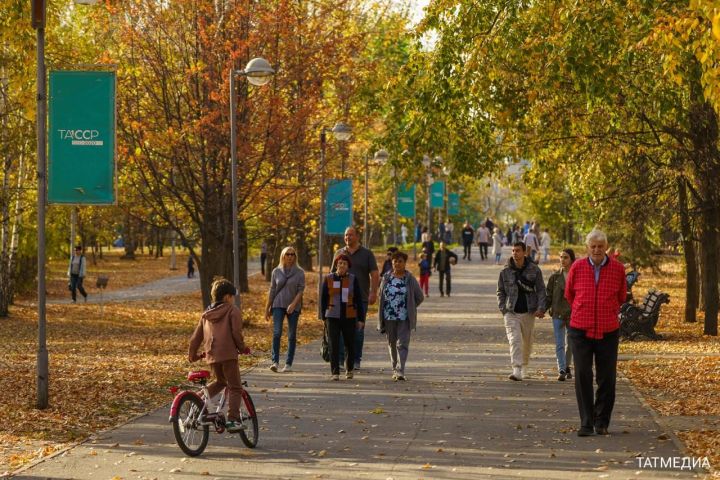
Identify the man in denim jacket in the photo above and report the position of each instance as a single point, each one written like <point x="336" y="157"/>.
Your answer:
<point x="521" y="298"/>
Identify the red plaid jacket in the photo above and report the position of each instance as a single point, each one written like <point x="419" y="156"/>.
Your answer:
<point x="595" y="308"/>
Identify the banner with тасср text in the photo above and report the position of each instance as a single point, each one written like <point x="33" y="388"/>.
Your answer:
<point x="338" y="206"/>
<point x="81" y="143"/>
<point x="437" y="194"/>
<point x="453" y="204"/>
<point x="406" y="200"/>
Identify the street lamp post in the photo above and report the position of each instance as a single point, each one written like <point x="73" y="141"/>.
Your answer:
<point x="38" y="15"/>
<point x="342" y="133"/>
<point x="427" y="163"/>
<point x="381" y="157"/>
<point x="258" y="72"/>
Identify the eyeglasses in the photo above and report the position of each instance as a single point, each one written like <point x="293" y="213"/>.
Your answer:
<point x="291" y="254"/>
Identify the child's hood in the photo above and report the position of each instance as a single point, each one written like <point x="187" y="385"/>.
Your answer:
<point x="217" y="312"/>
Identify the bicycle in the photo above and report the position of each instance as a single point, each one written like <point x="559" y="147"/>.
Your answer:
<point x="192" y="414"/>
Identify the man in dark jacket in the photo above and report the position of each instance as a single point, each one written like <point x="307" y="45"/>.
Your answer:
<point x="443" y="259"/>
<point x="468" y="233"/>
<point x="521" y="298"/>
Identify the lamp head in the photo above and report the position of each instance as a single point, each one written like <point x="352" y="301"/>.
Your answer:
<point x="258" y="71"/>
<point x="342" y="132"/>
<point x="381" y="156"/>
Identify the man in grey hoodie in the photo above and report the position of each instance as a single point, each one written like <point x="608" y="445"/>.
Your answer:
<point x="521" y="298"/>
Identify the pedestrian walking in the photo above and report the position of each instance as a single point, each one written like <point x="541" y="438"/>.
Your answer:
<point x="219" y="332"/>
<point x="468" y="234"/>
<point x="595" y="288"/>
<point x="387" y="264"/>
<point x="545" y="242"/>
<point x="287" y="284"/>
<point x="400" y="296"/>
<point x="364" y="267"/>
<point x="425" y="272"/>
<point x="404" y="233"/>
<point x="443" y="259"/>
<point x="76" y="272"/>
<point x="428" y="246"/>
<point x="559" y="309"/>
<point x="497" y="245"/>
<point x="483" y="239"/>
<point x="341" y="307"/>
<point x="521" y="298"/>
<point x="190" y="267"/>
<point x="263" y="257"/>
<point x="449" y="228"/>
<point x="533" y="245"/>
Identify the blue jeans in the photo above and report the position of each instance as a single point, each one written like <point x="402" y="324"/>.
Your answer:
<point x="563" y="352"/>
<point x="278" y="315"/>
<point x="359" y="338"/>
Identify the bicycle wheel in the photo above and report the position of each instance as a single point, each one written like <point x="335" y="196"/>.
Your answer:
<point x="191" y="437"/>
<point x="248" y="415"/>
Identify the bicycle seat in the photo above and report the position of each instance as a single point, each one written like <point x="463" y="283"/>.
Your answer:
<point x="198" y="376"/>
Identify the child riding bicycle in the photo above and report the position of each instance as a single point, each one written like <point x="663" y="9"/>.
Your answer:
<point x="219" y="332"/>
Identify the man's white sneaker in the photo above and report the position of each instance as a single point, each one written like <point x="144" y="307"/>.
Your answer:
<point x="287" y="368"/>
<point x="274" y="367"/>
<point x="516" y="374"/>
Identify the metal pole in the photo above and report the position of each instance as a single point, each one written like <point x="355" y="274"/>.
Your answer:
<point x="365" y="218"/>
<point x="321" y="233"/>
<point x="73" y="224"/>
<point x="173" y="258"/>
<point x="429" y="203"/>
<point x="395" y="191"/>
<point x="42" y="353"/>
<point x="233" y="185"/>
<point x="414" y="239"/>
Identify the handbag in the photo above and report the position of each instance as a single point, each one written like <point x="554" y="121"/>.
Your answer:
<point x="325" y="347"/>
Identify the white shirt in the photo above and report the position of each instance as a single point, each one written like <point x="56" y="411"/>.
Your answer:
<point x="545" y="240"/>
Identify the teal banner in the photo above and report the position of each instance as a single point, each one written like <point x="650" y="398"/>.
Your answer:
<point x="81" y="153"/>
<point x="437" y="193"/>
<point x="338" y="206"/>
<point x="406" y="200"/>
<point x="453" y="204"/>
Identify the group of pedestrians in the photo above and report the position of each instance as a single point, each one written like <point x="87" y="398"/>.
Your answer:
<point x="583" y="298"/>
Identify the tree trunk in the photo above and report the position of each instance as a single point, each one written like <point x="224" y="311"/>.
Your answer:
<point x="244" y="285"/>
<point x="692" y="290"/>
<point x="129" y="244"/>
<point x="704" y="134"/>
<point x="216" y="261"/>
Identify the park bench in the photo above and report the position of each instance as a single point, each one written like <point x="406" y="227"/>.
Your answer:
<point x="637" y="322"/>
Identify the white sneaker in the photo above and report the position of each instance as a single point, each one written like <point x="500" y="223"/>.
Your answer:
<point x="274" y="367"/>
<point x="287" y="368"/>
<point x="516" y="374"/>
<point x="335" y="378"/>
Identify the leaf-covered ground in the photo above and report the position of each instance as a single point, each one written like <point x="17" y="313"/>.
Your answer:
<point x="687" y="380"/>
<point x="105" y="371"/>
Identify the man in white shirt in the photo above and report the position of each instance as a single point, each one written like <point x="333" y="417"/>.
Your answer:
<point x="403" y="233"/>
<point x="533" y="244"/>
<point x="545" y="242"/>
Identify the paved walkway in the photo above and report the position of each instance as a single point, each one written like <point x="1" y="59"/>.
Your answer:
<point x="457" y="416"/>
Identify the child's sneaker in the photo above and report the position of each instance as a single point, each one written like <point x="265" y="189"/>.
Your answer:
<point x="233" y="426"/>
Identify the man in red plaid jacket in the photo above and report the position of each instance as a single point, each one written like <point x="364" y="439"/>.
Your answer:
<point x="595" y="288"/>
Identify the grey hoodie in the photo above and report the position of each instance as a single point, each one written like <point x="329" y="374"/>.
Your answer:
<point x="219" y="332"/>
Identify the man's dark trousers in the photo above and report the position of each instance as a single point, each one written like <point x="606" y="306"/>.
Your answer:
<point x="595" y="411"/>
<point x="446" y="277"/>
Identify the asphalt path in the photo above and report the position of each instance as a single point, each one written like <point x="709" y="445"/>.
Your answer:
<point x="457" y="416"/>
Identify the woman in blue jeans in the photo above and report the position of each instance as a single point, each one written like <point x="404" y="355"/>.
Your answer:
<point x="287" y="284"/>
<point x="559" y="310"/>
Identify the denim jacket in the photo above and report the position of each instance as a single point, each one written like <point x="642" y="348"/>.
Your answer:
<point x="507" y="289"/>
